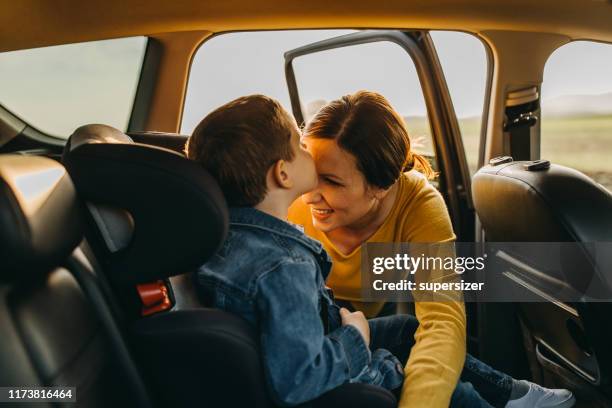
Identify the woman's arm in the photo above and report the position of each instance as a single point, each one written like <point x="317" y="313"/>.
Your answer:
<point x="436" y="359"/>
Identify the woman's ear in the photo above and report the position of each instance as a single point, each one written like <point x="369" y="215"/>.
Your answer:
<point x="281" y="175"/>
<point x="378" y="193"/>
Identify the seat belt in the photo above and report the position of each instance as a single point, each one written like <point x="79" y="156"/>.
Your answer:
<point x="521" y="115"/>
<point x="90" y="286"/>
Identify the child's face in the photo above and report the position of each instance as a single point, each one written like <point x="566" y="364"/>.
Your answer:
<point x="302" y="166"/>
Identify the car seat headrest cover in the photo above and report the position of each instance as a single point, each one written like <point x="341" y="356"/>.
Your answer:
<point x="40" y="219"/>
<point x="557" y="204"/>
<point x="177" y="211"/>
<point x="172" y="141"/>
<point x="96" y="133"/>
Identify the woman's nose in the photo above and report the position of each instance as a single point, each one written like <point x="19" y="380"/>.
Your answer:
<point x="312" y="197"/>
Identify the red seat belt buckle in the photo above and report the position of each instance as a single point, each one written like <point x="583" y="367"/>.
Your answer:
<point x="154" y="297"/>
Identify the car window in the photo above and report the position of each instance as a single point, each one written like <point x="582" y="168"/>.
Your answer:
<point x="464" y="62"/>
<point x="576" y="105"/>
<point x="56" y="89"/>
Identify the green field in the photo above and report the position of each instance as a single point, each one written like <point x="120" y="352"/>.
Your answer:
<point x="583" y="143"/>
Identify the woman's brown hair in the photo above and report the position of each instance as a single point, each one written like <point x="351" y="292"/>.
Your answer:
<point x="367" y="126"/>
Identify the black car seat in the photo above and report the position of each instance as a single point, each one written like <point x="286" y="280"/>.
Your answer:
<point x="543" y="202"/>
<point x="55" y="328"/>
<point x="164" y="216"/>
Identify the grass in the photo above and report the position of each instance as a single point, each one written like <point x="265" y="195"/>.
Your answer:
<point x="583" y="143"/>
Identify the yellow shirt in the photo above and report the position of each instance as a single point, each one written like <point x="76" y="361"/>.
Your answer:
<point x="419" y="214"/>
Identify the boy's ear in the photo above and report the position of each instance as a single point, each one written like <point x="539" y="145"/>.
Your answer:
<point x="281" y="175"/>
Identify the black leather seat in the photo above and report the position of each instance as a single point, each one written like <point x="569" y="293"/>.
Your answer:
<point x="570" y="338"/>
<point x="55" y="328"/>
<point x="169" y="216"/>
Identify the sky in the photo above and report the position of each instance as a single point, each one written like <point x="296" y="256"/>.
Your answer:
<point x="60" y="88"/>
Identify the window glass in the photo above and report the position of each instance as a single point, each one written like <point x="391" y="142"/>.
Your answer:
<point x="464" y="62"/>
<point x="576" y="105"/>
<point x="56" y="89"/>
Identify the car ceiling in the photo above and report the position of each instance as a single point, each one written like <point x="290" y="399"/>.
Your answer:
<point x="35" y="23"/>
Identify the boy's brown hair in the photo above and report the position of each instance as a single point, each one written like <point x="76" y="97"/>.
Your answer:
<point x="239" y="141"/>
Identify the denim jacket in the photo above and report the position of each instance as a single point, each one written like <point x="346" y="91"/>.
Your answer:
<point x="271" y="274"/>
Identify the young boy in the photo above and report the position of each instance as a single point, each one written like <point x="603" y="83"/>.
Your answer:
<point x="272" y="275"/>
<point x="268" y="271"/>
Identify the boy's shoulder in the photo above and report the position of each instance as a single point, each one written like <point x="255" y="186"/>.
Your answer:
<point x="257" y="244"/>
<point x="266" y="248"/>
<point x="261" y="231"/>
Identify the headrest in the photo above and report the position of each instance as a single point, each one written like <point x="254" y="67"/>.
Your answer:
<point x="163" y="214"/>
<point x="95" y="134"/>
<point x="172" y="141"/>
<point x="40" y="220"/>
<point x="554" y="204"/>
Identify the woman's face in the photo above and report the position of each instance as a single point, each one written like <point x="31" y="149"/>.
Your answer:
<point x="342" y="197"/>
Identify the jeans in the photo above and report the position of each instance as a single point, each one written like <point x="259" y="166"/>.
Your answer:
<point x="479" y="385"/>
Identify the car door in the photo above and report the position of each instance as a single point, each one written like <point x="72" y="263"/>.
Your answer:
<point x="416" y="49"/>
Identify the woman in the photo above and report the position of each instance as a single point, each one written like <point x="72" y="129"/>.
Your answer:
<point x="368" y="192"/>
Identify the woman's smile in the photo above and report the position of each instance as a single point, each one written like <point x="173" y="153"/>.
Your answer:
<point x="321" y="213"/>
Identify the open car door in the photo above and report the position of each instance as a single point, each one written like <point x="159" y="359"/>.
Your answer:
<point x="393" y="63"/>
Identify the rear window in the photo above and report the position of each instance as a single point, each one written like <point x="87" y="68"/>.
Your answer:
<point x="56" y="89"/>
<point x="577" y="109"/>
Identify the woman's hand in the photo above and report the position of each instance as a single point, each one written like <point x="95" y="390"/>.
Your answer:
<point x="358" y="320"/>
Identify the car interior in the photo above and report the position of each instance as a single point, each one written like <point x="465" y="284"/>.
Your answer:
<point x="103" y="223"/>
